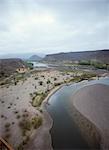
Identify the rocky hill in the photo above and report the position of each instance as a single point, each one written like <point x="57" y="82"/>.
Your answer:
<point x="9" y="66"/>
<point x="35" y="58"/>
<point x="100" y="55"/>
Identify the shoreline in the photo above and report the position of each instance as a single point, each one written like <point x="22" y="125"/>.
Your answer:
<point x="90" y="115"/>
<point x="43" y="132"/>
<point x="88" y="130"/>
<point x="45" y="128"/>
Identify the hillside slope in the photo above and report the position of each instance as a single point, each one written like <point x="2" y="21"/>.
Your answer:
<point x="100" y="55"/>
<point x="9" y="66"/>
<point x="35" y="58"/>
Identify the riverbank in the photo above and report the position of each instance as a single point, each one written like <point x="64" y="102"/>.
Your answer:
<point x="91" y="105"/>
<point x="41" y="139"/>
<point x="42" y="136"/>
<point x="16" y="106"/>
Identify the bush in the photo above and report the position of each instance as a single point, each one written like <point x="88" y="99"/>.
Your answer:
<point x="25" y="126"/>
<point x="55" y="79"/>
<point x="40" y="83"/>
<point x="48" y="81"/>
<point x="7" y="125"/>
<point x="57" y="84"/>
<point x="36" y="122"/>
<point x="36" y="78"/>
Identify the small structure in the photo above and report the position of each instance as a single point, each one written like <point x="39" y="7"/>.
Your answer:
<point x="23" y="69"/>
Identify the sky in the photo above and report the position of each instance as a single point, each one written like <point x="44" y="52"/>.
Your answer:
<point x="52" y="26"/>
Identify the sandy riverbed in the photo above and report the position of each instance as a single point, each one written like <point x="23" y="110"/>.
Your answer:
<point x="93" y="103"/>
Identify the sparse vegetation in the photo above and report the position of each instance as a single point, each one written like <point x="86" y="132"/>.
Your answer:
<point x="48" y="81"/>
<point x="55" y="79"/>
<point x="36" y="122"/>
<point x="40" y="82"/>
<point x="25" y="126"/>
<point x="36" y="78"/>
<point x="37" y="99"/>
<point x="7" y="125"/>
<point x="29" y="124"/>
<point x="94" y="63"/>
<point x="18" y="116"/>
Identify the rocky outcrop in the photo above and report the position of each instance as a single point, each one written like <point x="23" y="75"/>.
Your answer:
<point x="9" y="66"/>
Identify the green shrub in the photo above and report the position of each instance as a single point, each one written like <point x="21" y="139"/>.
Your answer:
<point x="48" y="81"/>
<point x="55" y="79"/>
<point x="25" y="126"/>
<point x="40" y="83"/>
<point x="7" y="125"/>
<point x="36" y="122"/>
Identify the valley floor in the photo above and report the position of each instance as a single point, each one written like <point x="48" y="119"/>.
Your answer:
<point x="17" y="111"/>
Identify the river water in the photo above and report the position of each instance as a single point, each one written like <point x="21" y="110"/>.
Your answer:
<point x="65" y="133"/>
<point x="38" y="64"/>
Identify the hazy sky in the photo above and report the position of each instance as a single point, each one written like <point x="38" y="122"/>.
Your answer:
<point x="50" y="26"/>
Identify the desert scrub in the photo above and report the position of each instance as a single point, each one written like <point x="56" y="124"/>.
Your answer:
<point x="7" y="125"/>
<point x="86" y="76"/>
<point x="36" y="78"/>
<point x="31" y="94"/>
<point x="37" y="99"/>
<point x="48" y="81"/>
<point x="18" y="117"/>
<point x="57" y="84"/>
<point x="75" y="79"/>
<point x="25" y="126"/>
<point x="55" y="79"/>
<point x="40" y="82"/>
<point x="36" y="122"/>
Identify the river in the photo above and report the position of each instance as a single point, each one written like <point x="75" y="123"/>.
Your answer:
<point x="65" y="133"/>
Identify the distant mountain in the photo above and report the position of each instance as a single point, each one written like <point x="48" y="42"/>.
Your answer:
<point x="9" y="66"/>
<point x="100" y="55"/>
<point x="24" y="56"/>
<point x="35" y="58"/>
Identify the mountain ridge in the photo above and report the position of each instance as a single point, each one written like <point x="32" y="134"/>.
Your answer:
<point x="100" y="55"/>
<point x="35" y="58"/>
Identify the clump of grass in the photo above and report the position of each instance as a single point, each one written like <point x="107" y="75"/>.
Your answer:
<point x="7" y="136"/>
<point x="40" y="82"/>
<point x="57" y="84"/>
<point x="25" y="115"/>
<point x="13" y="122"/>
<point x="48" y="81"/>
<point x="7" y="130"/>
<point x="25" y="126"/>
<point x="55" y="79"/>
<point x="15" y="83"/>
<point x="36" y="78"/>
<point x="21" y="145"/>
<point x="36" y="122"/>
<point x="18" y="116"/>
<point x="16" y="112"/>
<point x="2" y="116"/>
<point x="7" y="125"/>
<point x="9" y="107"/>
<point x="37" y="99"/>
<point x="25" y="110"/>
<point x="11" y="104"/>
<point x="31" y="94"/>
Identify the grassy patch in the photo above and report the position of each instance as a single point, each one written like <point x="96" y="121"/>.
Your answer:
<point x="36" y="122"/>
<point x="37" y="99"/>
<point x="27" y="124"/>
